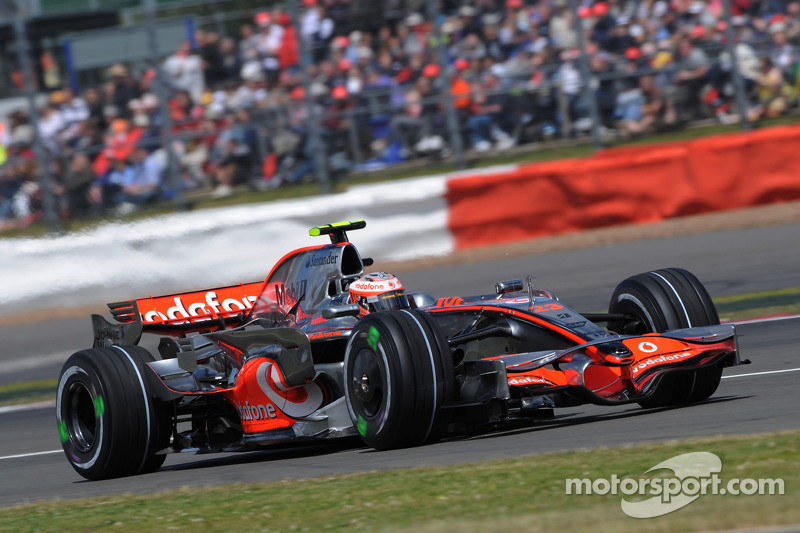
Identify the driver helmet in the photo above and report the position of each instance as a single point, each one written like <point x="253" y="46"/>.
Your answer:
<point x="378" y="291"/>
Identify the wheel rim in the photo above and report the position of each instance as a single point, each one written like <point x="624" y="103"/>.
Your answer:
<point x="367" y="384"/>
<point x="640" y="325"/>
<point x="637" y="327"/>
<point x="81" y="416"/>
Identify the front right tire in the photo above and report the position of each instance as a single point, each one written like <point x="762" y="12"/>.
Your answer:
<point x="663" y="300"/>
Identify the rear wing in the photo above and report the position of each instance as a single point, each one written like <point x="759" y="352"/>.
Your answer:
<point x="221" y="302"/>
<point x="176" y="314"/>
<point x="206" y="310"/>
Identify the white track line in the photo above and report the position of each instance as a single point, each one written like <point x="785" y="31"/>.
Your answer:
<point x="27" y="406"/>
<point x="22" y="455"/>
<point x="32" y="362"/>
<point x="764" y="319"/>
<point x="762" y="373"/>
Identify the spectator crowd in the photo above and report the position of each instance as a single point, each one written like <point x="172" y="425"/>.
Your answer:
<point x="381" y="85"/>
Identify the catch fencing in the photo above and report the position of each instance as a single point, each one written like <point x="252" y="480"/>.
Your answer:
<point x="348" y="104"/>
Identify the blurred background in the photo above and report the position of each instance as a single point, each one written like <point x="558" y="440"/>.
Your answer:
<point x="107" y="107"/>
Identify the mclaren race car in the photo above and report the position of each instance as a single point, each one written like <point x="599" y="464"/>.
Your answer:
<point x="320" y="350"/>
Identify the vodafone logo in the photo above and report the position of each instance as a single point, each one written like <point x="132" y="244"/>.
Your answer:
<point x="528" y="380"/>
<point x="208" y="305"/>
<point x="295" y="402"/>
<point x="256" y="412"/>
<point x="661" y="360"/>
<point x="371" y="286"/>
<point x="377" y="282"/>
<point x="647" y="347"/>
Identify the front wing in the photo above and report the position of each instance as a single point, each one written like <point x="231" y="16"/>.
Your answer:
<point x="621" y="369"/>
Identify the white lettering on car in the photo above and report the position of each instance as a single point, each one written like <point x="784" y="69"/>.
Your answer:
<point x="208" y="306"/>
<point x="211" y="300"/>
<point x="661" y="359"/>
<point x="256" y="412"/>
<point x="528" y="380"/>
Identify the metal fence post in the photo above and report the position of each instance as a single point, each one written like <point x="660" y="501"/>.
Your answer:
<point x="563" y="109"/>
<point x="450" y="111"/>
<point x="738" y="83"/>
<point x="586" y="77"/>
<point x="352" y="131"/>
<point x="318" y="149"/>
<point x="173" y="172"/>
<point x="49" y="208"/>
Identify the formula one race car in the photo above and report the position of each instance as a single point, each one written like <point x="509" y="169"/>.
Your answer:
<point x="319" y="350"/>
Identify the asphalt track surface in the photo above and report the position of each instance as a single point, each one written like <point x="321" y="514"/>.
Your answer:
<point x="759" y="397"/>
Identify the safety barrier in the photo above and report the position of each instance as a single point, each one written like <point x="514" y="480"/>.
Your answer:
<point x="626" y="185"/>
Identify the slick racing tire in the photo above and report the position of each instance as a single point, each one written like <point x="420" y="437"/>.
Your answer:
<point x="663" y="300"/>
<point x="108" y="421"/>
<point x="398" y="373"/>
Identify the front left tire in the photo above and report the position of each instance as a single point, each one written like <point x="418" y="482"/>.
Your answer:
<point x="398" y="374"/>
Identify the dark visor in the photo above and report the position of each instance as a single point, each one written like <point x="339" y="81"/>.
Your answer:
<point x="387" y="300"/>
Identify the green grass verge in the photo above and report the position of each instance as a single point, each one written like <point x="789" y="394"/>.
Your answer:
<point x="28" y="392"/>
<point x="729" y="307"/>
<point x="759" y="304"/>
<point x="524" y="494"/>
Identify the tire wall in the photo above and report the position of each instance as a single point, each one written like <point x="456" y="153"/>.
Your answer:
<point x="625" y="185"/>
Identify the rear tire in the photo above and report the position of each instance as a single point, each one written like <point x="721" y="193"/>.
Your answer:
<point x="398" y="373"/>
<point x="109" y="423"/>
<point x="663" y="300"/>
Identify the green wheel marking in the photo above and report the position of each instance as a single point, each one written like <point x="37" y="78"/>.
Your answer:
<point x="361" y="426"/>
<point x="62" y="432"/>
<point x="373" y="337"/>
<point x="99" y="407"/>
